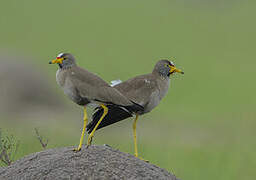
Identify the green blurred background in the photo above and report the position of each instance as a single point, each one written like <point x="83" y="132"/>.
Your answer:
<point x="203" y="129"/>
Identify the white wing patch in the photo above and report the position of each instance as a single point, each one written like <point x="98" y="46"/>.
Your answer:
<point x="147" y="81"/>
<point x="115" y="82"/>
<point x="60" y="54"/>
<point x="172" y="63"/>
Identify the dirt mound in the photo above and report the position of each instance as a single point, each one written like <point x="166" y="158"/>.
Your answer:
<point x="96" y="162"/>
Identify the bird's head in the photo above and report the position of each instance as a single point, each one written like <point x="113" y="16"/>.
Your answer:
<point x="166" y="68"/>
<point x="64" y="60"/>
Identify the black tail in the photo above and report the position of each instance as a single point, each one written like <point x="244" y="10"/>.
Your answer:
<point x="115" y="114"/>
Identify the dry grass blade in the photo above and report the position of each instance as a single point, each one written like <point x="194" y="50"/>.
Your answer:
<point x="41" y="140"/>
<point x="8" y="148"/>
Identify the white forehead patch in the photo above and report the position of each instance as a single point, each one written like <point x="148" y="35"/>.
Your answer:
<point x="171" y="63"/>
<point x="61" y="54"/>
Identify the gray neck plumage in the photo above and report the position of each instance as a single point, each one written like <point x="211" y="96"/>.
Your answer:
<point x="164" y="74"/>
<point x="66" y="65"/>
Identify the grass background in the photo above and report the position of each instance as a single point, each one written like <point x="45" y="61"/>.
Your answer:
<point x="204" y="128"/>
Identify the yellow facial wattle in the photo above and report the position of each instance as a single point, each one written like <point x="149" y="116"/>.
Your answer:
<point x="57" y="60"/>
<point x="174" y="69"/>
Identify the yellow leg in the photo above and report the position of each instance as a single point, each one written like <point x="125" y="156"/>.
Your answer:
<point x="102" y="117"/>
<point x="134" y="136"/>
<point x="82" y="135"/>
<point x="135" y="139"/>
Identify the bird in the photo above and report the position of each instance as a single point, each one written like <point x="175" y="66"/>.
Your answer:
<point x="146" y="90"/>
<point x="84" y="88"/>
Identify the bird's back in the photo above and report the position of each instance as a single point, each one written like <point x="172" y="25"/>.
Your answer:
<point x="79" y="84"/>
<point x="146" y="90"/>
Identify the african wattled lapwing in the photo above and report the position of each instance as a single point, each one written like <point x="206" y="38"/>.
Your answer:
<point x="84" y="87"/>
<point x="146" y="90"/>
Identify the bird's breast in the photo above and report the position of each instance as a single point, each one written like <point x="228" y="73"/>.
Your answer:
<point x="66" y="85"/>
<point x="163" y="88"/>
<point x="157" y="95"/>
<point x="60" y="77"/>
<point x="153" y="102"/>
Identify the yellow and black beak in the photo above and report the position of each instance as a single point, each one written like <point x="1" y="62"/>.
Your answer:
<point x="173" y="69"/>
<point x="57" y="60"/>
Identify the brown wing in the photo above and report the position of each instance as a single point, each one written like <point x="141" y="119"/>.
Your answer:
<point x="139" y="89"/>
<point x="86" y="77"/>
<point x="92" y="87"/>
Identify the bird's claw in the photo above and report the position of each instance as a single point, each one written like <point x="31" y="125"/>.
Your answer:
<point x="147" y="161"/>
<point x="77" y="149"/>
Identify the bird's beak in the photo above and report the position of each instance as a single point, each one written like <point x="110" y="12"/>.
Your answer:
<point x="173" y="69"/>
<point x="57" y="60"/>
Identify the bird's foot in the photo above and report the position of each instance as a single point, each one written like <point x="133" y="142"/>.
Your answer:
<point x="147" y="161"/>
<point x="141" y="158"/>
<point x="77" y="149"/>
